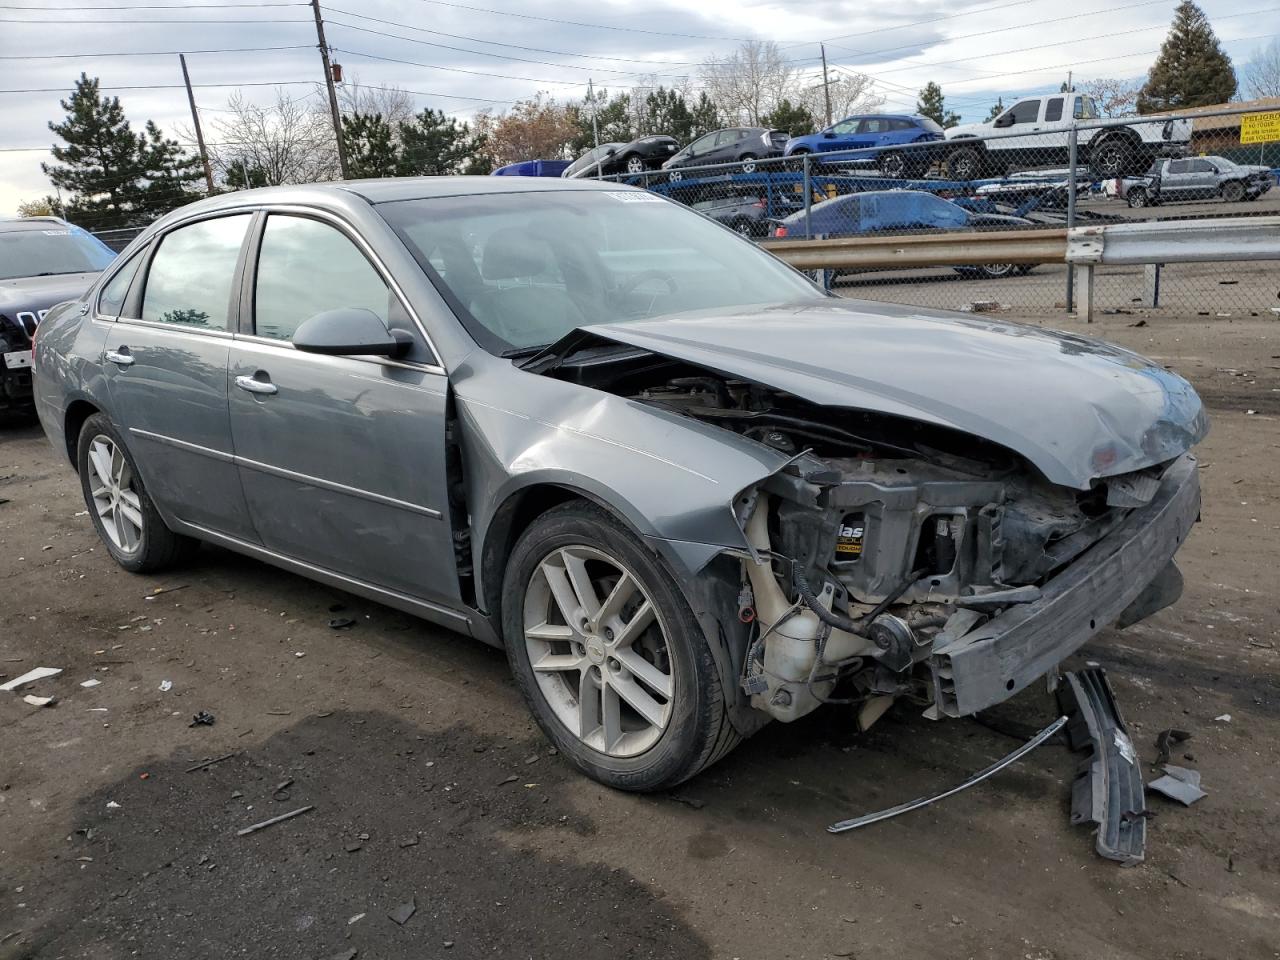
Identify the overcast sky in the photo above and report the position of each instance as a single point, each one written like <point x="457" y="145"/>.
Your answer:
<point x="976" y="50"/>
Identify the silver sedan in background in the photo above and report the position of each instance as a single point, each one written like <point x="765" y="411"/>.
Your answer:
<point x="687" y="490"/>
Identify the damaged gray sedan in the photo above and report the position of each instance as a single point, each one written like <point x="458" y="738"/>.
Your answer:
<point x="685" y="489"/>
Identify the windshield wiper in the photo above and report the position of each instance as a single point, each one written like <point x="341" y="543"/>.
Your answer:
<point x="518" y="353"/>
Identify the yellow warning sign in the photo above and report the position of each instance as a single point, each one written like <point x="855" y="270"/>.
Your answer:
<point x="1260" y="127"/>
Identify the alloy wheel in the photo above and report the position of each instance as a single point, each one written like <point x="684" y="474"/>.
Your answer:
<point x="599" y="651"/>
<point x="635" y="164"/>
<point x="115" y="497"/>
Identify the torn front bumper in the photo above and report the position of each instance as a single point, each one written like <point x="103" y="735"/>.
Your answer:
<point x="1003" y="655"/>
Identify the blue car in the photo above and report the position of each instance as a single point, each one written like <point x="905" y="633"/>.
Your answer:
<point x="877" y="134"/>
<point x="901" y="211"/>
<point x="533" y="168"/>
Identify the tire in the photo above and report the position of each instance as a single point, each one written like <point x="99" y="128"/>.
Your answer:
<point x="893" y="165"/>
<point x="988" y="271"/>
<point x="1137" y="197"/>
<point x="1117" y="156"/>
<point x="633" y="164"/>
<point x="677" y="736"/>
<point x="795" y="160"/>
<point x="744" y="228"/>
<point x="1232" y="191"/>
<point x="115" y="497"/>
<point x="748" y="161"/>
<point x="967" y="163"/>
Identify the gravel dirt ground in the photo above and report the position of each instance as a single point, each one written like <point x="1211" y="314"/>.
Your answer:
<point x="431" y="791"/>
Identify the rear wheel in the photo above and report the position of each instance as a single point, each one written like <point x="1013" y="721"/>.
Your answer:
<point x="634" y="163"/>
<point x="748" y="161"/>
<point x="1233" y="191"/>
<point x="1116" y="156"/>
<point x="894" y="165"/>
<point x="122" y="512"/>
<point x="607" y="654"/>
<point x="967" y="163"/>
<point x="1137" y="197"/>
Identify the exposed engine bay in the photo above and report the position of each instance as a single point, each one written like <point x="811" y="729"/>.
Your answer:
<point x="880" y="541"/>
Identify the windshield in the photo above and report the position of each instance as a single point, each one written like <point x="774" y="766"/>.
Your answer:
<point x="38" y="253"/>
<point x="522" y="270"/>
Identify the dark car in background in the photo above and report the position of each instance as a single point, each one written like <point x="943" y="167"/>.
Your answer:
<point x="900" y="211"/>
<point x="884" y="137"/>
<point x="645" y="153"/>
<point x="43" y="261"/>
<point x="743" y="211"/>
<point x="731" y="145"/>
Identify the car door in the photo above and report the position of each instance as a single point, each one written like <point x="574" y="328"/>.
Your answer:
<point x="1010" y="130"/>
<point x="722" y="150"/>
<point x="1176" y="181"/>
<point x="165" y="364"/>
<point x="1202" y="178"/>
<point x="842" y="135"/>
<point x="693" y="154"/>
<point x="1054" y="140"/>
<point x="342" y="458"/>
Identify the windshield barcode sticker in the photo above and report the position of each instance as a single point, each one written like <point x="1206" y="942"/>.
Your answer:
<point x="640" y="196"/>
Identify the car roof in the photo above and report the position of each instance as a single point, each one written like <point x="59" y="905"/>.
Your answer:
<point x="25" y="224"/>
<point x="880" y="116"/>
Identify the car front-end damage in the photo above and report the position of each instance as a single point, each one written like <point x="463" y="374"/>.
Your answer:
<point x="899" y="552"/>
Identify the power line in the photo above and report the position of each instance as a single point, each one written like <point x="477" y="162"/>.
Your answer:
<point x="150" y="20"/>
<point x="154" y="53"/>
<point x="580" y="23"/>
<point x="512" y="46"/>
<point x="156" y="6"/>
<point x="476" y="73"/>
<point x="173" y="86"/>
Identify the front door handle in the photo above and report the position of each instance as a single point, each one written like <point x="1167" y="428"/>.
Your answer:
<point x="121" y="356"/>
<point x="253" y="385"/>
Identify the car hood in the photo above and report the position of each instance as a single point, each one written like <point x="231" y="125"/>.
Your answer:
<point x="33" y="294"/>
<point x="1076" y="408"/>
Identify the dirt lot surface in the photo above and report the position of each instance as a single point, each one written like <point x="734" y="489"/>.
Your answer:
<point x="430" y="788"/>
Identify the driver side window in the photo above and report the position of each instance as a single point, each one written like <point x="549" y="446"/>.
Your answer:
<point x="845" y="127"/>
<point x="1025" y="112"/>
<point x="306" y="267"/>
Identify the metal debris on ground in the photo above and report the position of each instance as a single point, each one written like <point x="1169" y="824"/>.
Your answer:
<point x="402" y="913"/>
<point x="91" y="682"/>
<point x="1108" y="788"/>
<point x="35" y="701"/>
<point x="31" y="676"/>
<point x="1165" y="741"/>
<point x="1223" y="718"/>
<point x="202" y="719"/>
<point x="166" y="686"/>
<point x="978" y="777"/>
<point x="245" y="831"/>
<point x="341" y="623"/>
<point x="210" y="763"/>
<point x="1179" y="783"/>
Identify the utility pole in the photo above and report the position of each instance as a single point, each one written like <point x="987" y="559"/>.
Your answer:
<point x="195" y="119"/>
<point x="826" y="84"/>
<point x="333" y="93"/>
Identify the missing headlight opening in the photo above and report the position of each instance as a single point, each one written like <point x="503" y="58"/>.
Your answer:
<point x="891" y="559"/>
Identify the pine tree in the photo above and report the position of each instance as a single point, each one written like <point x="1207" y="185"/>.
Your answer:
<point x="371" y="147"/>
<point x="115" y="178"/>
<point x="667" y="112"/>
<point x="434" y="145"/>
<point x="794" y="118"/>
<point x="705" y="117"/>
<point x="1192" y="69"/>
<point x="997" y="108"/>
<point x="933" y="105"/>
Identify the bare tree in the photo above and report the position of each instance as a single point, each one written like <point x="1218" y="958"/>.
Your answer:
<point x="1114" y="98"/>
<point x="750" y="82"/>
<point x="1262" y="76"/>
<point x="851" y="93"/>
<point x="288" y="141"/>
<point x="393" y="104"/>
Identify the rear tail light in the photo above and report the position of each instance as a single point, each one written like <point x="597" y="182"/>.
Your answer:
<point x="779" y="231"/>
<point x="759" y="203"/>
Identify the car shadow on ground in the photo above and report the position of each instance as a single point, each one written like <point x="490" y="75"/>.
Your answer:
<point x="400" y="816"/>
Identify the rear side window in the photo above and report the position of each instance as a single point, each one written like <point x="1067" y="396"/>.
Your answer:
<point x="306" y="267"/>
<point x="111" y="300"/>
<point x="1053" y="109"/>
<point x="190" y="278"/>
<point x="1202" y="166"/>
<point x="1179" y="166"/>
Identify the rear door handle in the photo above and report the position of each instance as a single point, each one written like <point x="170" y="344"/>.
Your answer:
<point x="121" y="356"/>
<point x="253" y="385"/>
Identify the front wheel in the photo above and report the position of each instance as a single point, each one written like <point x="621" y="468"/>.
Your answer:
<point x="1137" y="197"/>
<point x="967" y="163"/>
<point x="1233" y="191"/>
<point x="748" y="161"/>
<point x="635" y="163"/>
<point x="122" y="512"/>
<point x="607" y="654"/>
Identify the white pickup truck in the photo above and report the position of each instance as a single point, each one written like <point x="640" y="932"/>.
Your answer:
<point x="1036" y="131"/>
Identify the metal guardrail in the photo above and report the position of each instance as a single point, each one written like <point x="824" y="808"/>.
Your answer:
<point x="924" y="250"/>
<point x="1177" y="241"/>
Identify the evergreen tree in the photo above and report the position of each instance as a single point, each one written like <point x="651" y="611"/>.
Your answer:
<point x="997" y="108"/>
<point x="370" y="145"/>
<point x="666" y="112"/>
<point x="241" y="176"/>
<point x="115" y="178"/>
<point x="435" y="144"/>
<point x="794" y="118"/>
<point x="1192" y="69"/>
<point x="705" y="116"/>
<point x="933" y="105"/>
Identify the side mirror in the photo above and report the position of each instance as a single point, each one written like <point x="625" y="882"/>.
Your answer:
<point x="610" y="152"/>
<point x="829" y="134"/>
<point x="1005" y="120"/>
<point x="350" y="331"/>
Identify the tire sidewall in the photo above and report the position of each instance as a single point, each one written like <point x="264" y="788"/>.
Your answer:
<point x="678" y="754"/>
<point x="99" y="426"/>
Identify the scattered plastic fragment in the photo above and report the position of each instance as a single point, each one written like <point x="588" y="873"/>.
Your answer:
<point x="341" y="623"/>
<point x="210" y="763"/>
<point x="202" y="719"/>
<point x="112" y="805"/>
<point x="166" y="686"/>
<point x="402" y="913"/>
<point x="35" y="701"/>
<point x="91" y="682"/>
<point x="1179" y="783"/>
<point x="31" y="676"/>
<point x="245" y="831"/>
<point x="1224" y="718"/>
<point x="1165" y="741"/>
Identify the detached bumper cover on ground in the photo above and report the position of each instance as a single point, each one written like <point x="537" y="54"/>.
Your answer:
<point x="1005" y="654"/>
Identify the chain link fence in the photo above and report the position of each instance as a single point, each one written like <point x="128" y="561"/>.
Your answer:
<point x="1047" y="161"/>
